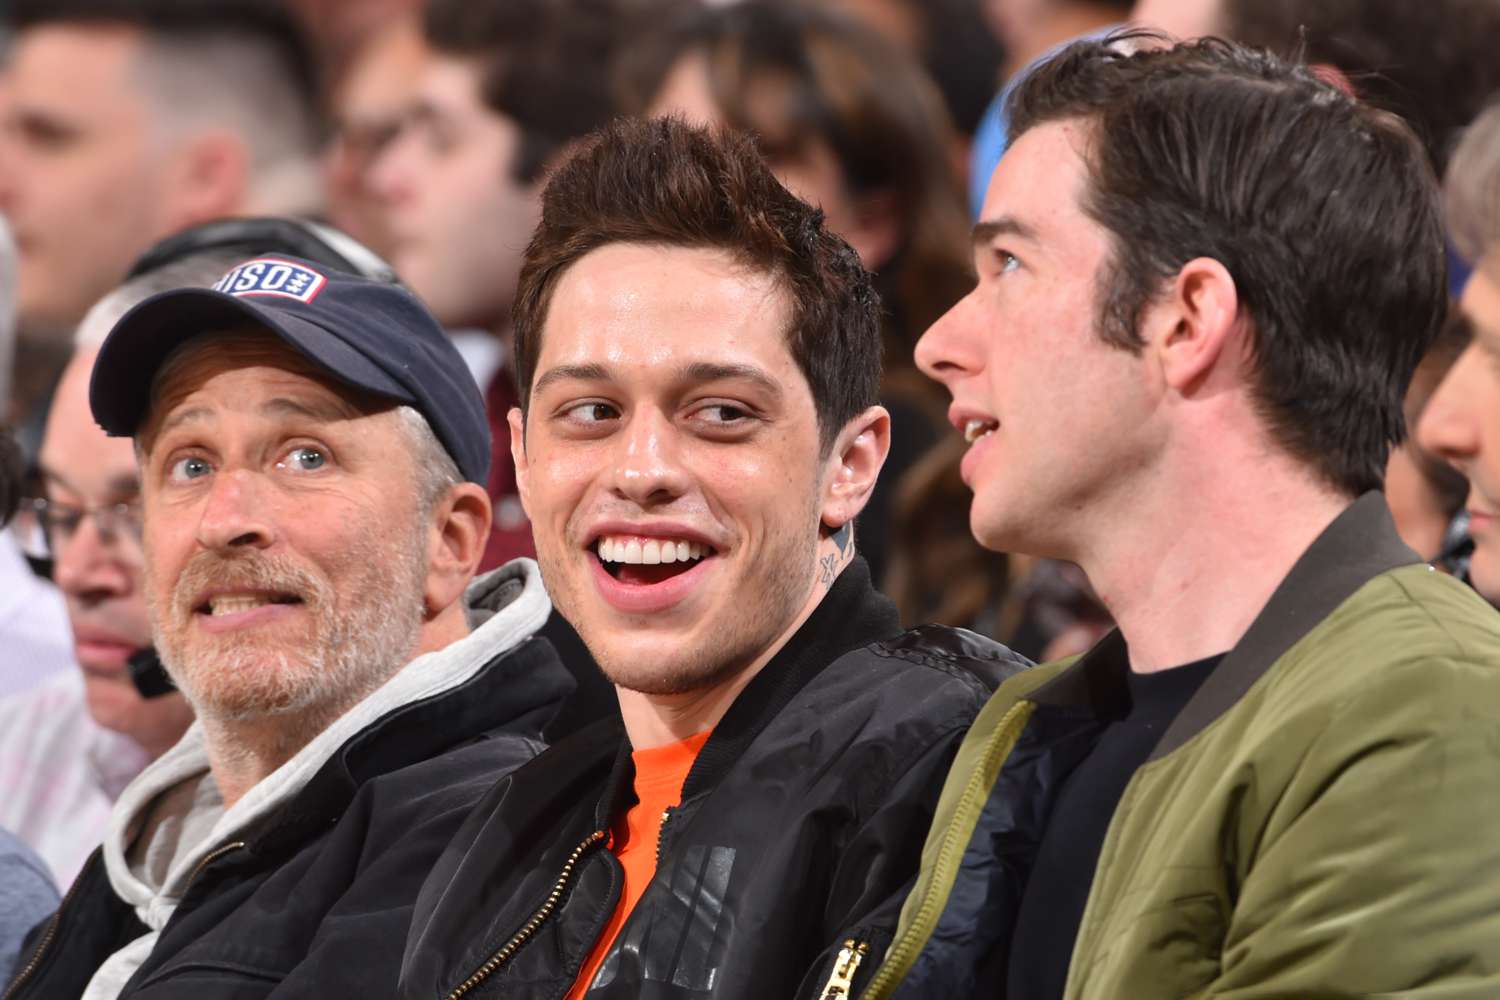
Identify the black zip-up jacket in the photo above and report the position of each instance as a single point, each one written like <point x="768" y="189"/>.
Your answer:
<point x="799" y="829"/>
<point x="316" y="900"/>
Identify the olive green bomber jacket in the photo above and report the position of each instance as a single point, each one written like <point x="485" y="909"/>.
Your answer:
<point x="1322" y="819"/>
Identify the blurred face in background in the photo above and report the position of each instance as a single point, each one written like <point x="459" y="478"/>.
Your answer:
<point x="1180" y="18"/>
<point x="98" y="562"/>
<point x="373" y="95"/>
<point x="458" y="216"/>
<point x="1462" y="424"/>
<point x="870" y="225"/>
<point x="84" y="172"/>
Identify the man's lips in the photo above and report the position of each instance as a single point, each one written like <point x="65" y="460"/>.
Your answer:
<point x="227" y="609"/>
<point x="968" y="466"/>
<point x="633" y="595"/>
<point x="253" y="617"/>
<point x="102" y="653"/>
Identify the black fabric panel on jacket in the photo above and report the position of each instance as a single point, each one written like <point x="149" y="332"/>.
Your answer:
<point x="1063" y="872"/>
<point x="851" y="615"/>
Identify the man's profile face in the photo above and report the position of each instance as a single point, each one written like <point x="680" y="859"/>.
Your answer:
<point x="1462" y="424"/>
<point x="458" y="217"/>
<point x="82" y="164"/>
<point x="1055" y="414"/>
<point x="99" y="566"/>
<point x="670" y="464"/>
<point x="286" y="558"/>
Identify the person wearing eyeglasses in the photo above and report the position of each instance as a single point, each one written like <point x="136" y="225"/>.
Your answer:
<point x="70" y="744"/>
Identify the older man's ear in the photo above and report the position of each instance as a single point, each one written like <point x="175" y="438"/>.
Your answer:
<point x="459" y="526"/>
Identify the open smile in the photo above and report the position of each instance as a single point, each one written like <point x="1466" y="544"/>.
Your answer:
<point x="644" y="575"/>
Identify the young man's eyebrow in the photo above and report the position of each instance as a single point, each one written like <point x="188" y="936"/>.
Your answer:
<point x="697" y="371"/>
<point x="1005" y="225"/>
<point x="707" y="371"/>
<point x="561" y="373"/>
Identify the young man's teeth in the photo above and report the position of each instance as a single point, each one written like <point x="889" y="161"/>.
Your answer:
<point x="651" y="552"/>
<point x="976" y="429"/>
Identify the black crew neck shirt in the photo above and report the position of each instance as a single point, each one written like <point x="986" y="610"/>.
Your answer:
<point x="1052" y="905"/>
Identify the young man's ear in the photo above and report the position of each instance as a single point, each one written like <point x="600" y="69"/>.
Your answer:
<point x="458" y="530"/>
<point x="518" y="455"/>
<point x="1196" y="325"/>
<point x="854" y="465"/>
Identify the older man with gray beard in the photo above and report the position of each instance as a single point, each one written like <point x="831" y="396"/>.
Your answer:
<point x="312" y="453"/>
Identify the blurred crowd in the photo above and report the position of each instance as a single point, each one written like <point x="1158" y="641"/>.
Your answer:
<point x="150" y="145"/>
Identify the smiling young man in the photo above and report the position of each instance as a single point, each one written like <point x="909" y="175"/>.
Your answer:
<point x="1205" y="279"/>
<point x="311" y="452"/>
<point x="699" y="360"/>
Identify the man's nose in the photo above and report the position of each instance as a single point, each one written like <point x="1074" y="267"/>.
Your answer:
<point x="1449" y="425"/>
<point x="946" y="352"/>
<point x="94" y="564"/>
<point x="647" y="466"/>
<point x="235" y="514"/>
<point x="389" y="170"/>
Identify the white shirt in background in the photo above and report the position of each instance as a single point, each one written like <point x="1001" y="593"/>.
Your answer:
<point x="61" y="772"/>
<point x="36" y="641"/>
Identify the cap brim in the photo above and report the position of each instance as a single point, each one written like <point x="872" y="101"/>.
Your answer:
<point x="120" y="386"/>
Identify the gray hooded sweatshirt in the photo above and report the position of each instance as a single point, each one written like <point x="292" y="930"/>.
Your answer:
<point x="171" y="818"/>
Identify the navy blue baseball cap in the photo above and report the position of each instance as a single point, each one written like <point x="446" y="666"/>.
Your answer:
<point x="368" y="334"/>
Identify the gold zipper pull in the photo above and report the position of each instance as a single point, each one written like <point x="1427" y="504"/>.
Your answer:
<point x="841" y="981"/>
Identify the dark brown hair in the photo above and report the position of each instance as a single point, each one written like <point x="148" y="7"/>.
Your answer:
<point x="548" y="65"/>
<point x="664" y="182"/>
<point x="798" y="76"/>
<point x="1432" y="62"/>
<point x="1323" y="209"/>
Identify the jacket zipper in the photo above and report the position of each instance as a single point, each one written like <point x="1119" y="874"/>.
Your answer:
<point x="840" y="983"/>
<point x="538" y="918"/>
<point x="49" y="935"/>
<point x="904" y="950"/>
<point x="52" y="927"/>
<point x="208" y="858"/>
<point x="661" y="832"/>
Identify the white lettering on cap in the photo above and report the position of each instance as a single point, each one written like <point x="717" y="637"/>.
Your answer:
<point x="268" y="276"/>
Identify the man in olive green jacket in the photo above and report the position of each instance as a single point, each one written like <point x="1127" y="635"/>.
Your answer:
<point x="1205" y="278"/>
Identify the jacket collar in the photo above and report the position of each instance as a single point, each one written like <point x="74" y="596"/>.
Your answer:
<point x="491" y="678"/>
<point x="1359" y="545"/>
<point x="499" y="677"/>
<point x="852" y="614"/>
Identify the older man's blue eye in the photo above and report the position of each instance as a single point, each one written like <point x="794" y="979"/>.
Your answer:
<point x="189" y="468"/>
<point x="308" y="459"/>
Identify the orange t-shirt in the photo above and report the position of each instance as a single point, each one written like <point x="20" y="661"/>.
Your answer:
<point x="659" y="774"/>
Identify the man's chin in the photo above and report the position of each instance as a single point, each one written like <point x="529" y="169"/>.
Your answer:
<point x="674" y="672"/>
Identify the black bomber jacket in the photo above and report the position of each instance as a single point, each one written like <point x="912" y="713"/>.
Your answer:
<point x="781" y="873"/>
